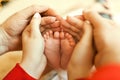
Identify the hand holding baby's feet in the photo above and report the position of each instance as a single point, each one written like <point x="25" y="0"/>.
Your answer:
<point x="33" y="48"/>
<point x="106" y="38"/>
<point x="82" y="55"/>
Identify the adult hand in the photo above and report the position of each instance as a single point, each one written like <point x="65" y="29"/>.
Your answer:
<point x="33" y="48"/>
<point x="12" y="28"/>
<point x="81" y="60"/>
<point x="73" y="26"/>
<point x="106" y="38"/>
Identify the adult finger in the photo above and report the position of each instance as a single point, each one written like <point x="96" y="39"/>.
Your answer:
<point x="81" y="17"/>
<point x="77" y="23"/>
<point x="65" y="24"/>
<point x="74" y="34"/>
<point x="87" y="32"/>
<point x="51" y="12"/>
<point x="48" y="20"/>
<point x="29" y="11"/>
<point x="34" y="25"/>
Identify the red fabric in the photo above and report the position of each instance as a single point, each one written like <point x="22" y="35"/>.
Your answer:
<point x="18" y="73"/>
<point x="82" y="79"/>
<point x="109" y="72"/>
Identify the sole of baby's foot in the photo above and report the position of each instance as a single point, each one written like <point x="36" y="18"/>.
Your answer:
<point x="52" y="48"/>
<point x="67" y="46"/>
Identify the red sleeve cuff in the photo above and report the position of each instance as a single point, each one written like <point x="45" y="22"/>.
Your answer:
<point x="108" y="72"/>
<point x="17" y="73"/>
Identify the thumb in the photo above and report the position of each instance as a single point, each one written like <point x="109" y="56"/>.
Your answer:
<point x="87" y="33"/>
<point x="35" y="24"/>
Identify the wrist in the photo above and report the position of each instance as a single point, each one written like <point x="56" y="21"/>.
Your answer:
<point x="33" y="67"/>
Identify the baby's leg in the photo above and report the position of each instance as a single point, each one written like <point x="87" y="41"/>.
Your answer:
<point x="52" y="48"/>
<point x="67" y="46"/>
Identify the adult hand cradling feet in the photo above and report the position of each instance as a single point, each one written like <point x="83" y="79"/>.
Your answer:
<point x="33" y="60"/>
<point x="32" y="39"/>
<point x="11" y="29"/>
<point x="106" y="38"/>
<point x="83" y="53"/>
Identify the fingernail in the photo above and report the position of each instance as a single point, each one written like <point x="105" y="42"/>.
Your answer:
<point x="36" y="15"/>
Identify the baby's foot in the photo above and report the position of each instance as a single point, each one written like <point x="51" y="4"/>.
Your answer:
<point x="52" y="48"/>
<point x="67" y="46"/>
